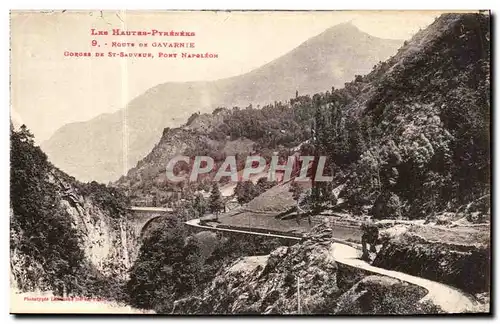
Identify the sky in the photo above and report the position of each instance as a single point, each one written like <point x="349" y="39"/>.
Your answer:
<point x="49" y="89"/>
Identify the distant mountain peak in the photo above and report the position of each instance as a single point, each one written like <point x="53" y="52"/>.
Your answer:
<point x="345" y="28"/>
<point x="348" y="25"/>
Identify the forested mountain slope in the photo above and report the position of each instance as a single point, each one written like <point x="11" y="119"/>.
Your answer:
<point x="410" y="138"/>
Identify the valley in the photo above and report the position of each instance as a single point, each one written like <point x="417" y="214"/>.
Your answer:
<point x="402" y="134"/>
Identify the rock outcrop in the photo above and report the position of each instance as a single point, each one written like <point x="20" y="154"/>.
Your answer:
<point x="464" y="265"/>
<point x="108" y="243"/>
<point x="107" y="240"/>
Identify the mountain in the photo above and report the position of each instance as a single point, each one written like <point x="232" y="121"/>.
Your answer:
<point x="105" y="147"/>
<point x="420" y="139"/>
<point x="411" y="138"/>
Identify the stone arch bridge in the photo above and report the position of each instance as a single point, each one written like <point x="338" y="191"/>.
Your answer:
<point x="141" y="217"/>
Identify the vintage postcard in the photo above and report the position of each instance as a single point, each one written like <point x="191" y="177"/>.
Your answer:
<point x="250" y="162"/>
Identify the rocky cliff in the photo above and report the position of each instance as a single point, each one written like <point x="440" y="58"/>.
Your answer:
<point x="107" y="239"/>
<point x="67" y="237"/>
<point x="107" y="242"/>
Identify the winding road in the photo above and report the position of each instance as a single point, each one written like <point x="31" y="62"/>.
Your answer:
<point x="449" y="299"/>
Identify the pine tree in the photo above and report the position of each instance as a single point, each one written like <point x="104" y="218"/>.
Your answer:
<point x="200" y="205"/>
<point x="239" y="192"/>
<point x="215" y="204"/>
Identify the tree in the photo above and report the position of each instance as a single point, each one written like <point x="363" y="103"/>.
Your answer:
<point x="215" y="204"/>
<point x="263" y="185"/>
<point x="200" y="205"/>
<point x="303" y="200"/>
<point x="245" y="192"/>
<point x="239" y="192"/>
<point x="167" y="268"/>
<point x="296" y="190"/>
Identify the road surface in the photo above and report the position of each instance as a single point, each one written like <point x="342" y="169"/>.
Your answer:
<point x="450" y="299"/>
<point x="150" y="209"/>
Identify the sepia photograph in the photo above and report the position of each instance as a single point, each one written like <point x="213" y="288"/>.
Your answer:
<point x="252" y="162"/>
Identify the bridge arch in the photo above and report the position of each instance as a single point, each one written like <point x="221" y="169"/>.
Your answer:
<point x="146" y="225"/>
<point x="141" y="217"/>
